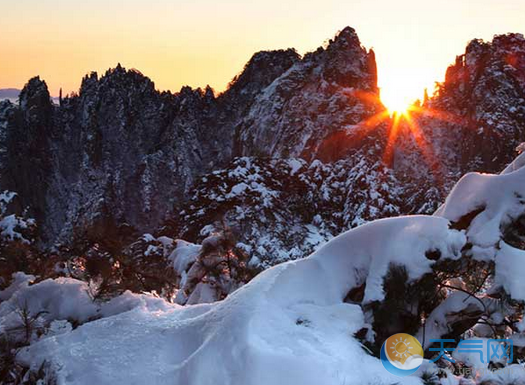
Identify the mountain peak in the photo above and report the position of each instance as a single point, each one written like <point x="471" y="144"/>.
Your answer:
<point x="262" y="69"/>
<point x="506" y="42"/>
<point x="35" y="93"/>
<point x="117" y="78"/>
<point x="348" y="63"/>
<point x="347" y="35"/>
<point x="509" y="38"/>
<point x="121" y="73"/>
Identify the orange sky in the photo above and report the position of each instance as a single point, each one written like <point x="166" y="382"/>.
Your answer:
<point x="199" y="42"/>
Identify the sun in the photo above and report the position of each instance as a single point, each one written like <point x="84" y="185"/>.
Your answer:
<point x="398" y="108"/>
<point x="395" y="102"/>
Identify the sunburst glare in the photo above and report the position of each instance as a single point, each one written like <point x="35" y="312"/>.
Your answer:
<point x="396" y="102"/>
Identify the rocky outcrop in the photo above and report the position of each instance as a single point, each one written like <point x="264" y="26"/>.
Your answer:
<point x="26" y="140"/>
<point x="484" y="97"/>
<point x="322" y="97"/>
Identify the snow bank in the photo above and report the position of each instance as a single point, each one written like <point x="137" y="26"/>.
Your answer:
<point x="62" y="299"/>
<point x="512" y="374"/>
<point x="510" y="271"/>
<point x="184" y="255"/>
<point x="289" y="325"/>
<point x="129" y="301"/>
<point x="500" y="200"/>
<point x="20" y="280"/>
<point x="11" y="225"/>
<point x="517" y="163"/>
<point x="471" y="356"/>
<point x="444" y="315"/>
<point x="365" y="253"/>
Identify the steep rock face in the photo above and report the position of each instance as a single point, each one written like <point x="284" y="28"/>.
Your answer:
<point x="327" y="93"/>
<point x="233" y="105"/>
<point x="484" y="98"/>
<point x="260" y="71"/>
<point x="112" y="156"/>
<point x="7" y="111"/>
<point x="108" y="141"/>
<point x="26" y="139"/>
<point x="119" y="156"/>
<point x="473" y="123"/>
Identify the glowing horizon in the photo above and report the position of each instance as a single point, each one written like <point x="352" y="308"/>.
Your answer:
<point x="197" y="43"/>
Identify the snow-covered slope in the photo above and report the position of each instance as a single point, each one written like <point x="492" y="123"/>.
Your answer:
<point x="295" y="323"/>
<point x="288" y="325"/>
<point x="284" y="209"/>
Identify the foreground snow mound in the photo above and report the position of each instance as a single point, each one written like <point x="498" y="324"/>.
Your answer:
<point x="492" y="210"/>
<point x="296" y="323"/>
<point x="289" y="325"/>
<point x="28" y="310"/>
<point x="499" y="199"/>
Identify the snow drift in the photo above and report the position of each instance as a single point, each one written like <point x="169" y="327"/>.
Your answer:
<point x="288" y="325"/>
<point x="291" y="324"/>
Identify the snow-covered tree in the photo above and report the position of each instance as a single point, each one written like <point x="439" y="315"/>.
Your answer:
<point x="17" y="234"/>
<point x="210" y="272"/>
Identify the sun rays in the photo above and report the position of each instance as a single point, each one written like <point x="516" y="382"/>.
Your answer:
<point x="404" y="126"/>
<point x="407" y="122"/>
<point x="402" y="119"/>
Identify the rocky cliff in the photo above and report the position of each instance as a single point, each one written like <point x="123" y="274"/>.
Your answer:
<point x="291" y="153"/>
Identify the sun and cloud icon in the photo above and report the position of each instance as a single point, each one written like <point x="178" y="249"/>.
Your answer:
<point x="401" y="354"/>
<point x="400" y="348"/>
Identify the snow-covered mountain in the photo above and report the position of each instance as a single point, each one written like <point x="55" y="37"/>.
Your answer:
<point x="120" y="158"/>
<point x="120" y="154"/>
<point x="297" y="157"/>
